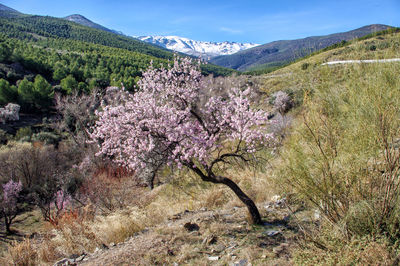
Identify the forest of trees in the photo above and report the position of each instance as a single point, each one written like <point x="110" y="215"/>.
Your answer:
<point x="43" y="55"/>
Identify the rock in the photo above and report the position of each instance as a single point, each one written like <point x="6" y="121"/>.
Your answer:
<point x="72" y="260"/>
<point x="74" y="256"/>
<point x="81" y="258"/>
<point x="62" y="262"/>
<point x="317" y="215"/>
<point x="243" y="262"/>
<point x="276" y="202"/>
<point x="219" y="248"/>
<point x="213" y="258"/>
<point x="272" y="232"/>
<point x="191" y="227"/>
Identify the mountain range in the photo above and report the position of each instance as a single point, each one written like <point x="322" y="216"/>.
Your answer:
<point x="197" y="48"/>
<point x="281" y="52"/>
<point x="238" y="56"/>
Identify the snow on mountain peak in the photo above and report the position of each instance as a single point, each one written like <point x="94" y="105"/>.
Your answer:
<point x="197" y="48"/>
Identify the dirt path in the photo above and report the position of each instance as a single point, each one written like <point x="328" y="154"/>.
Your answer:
<point x="362" y="61"/>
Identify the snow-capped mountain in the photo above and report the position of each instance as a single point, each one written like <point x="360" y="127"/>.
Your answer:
<point x="197" y="48"/>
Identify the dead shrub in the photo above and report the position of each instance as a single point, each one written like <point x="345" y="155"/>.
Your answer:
<point x="23" y="253"/>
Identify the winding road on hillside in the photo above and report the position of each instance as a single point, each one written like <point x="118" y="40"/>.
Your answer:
<point x="362" y="61"/>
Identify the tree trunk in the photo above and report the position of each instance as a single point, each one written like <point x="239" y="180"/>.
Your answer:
<point x="210" y="177"/>
<point x="254" y="214"/>
<point x="8" y="224"/>
<point x="151" y="180"/>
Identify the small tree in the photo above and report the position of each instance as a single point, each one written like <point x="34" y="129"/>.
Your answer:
<point x="43" y="93"/>
<point x="163" y="123"/>
<point x="69" y="84"/>
<point x="7" y="93"/>
<point x="9" y="207"/>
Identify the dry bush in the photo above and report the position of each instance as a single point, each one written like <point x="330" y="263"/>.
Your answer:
<point x="108" y="188"/>
<point x="77" y="114"/>
<point x="220" y="86"/>
<point x="23" y="253"/>
<point x="328" y="248"/>
<point x="79" y="232"/>
<point x="117" y="227"/>
<point x="214" y="198"/>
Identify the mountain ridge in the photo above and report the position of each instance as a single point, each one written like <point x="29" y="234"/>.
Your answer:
<point x="9" y="12"/>
<point x="197" y="48"/>
<point x="283" y="51"/>
<point x="82" y="20"/>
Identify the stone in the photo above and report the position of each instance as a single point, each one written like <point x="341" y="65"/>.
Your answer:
<point x="61" y="262"/>
<point x="272" y="232"/>
<point x="213" y="258"/>
<point x="242" y="262"/>
<point x="191" y="227"/>
<point x="219" y="248"/>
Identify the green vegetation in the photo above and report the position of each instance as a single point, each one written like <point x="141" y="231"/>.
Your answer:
<point x="76" y="57"/>
<point x="39" y="27"/>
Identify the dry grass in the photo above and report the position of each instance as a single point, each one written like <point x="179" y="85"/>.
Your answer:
<point x="22" y="253"/>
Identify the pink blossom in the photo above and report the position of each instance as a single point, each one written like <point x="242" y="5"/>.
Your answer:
<point x="164" y="119"/>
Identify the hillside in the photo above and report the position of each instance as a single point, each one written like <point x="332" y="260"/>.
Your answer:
<point x="335" y="158"/>
<point x="70" y="57"/>
<point x="88" y="23"/>
<point x="280" y="52"/>
<point x="6" y="11"/>
<point x="37" y="28"/>
<point x="33" y="27"/>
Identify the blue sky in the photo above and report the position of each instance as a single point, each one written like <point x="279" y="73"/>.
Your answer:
<point x="224" y="20"/>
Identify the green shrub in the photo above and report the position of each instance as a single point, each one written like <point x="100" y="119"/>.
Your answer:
<point x="8" y="94"/>
<point x="24" y="133"/>
<point x="4" y="137"/>
<point x="46" y="138"/>
<point x="344" y="158"/>
<point x="304" y="66"/>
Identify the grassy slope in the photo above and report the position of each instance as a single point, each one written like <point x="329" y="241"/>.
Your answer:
<point x="294" y="78"/>
<point x="282" y="52"/>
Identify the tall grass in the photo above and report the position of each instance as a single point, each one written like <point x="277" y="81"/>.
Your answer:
<point x="343" y="158"/>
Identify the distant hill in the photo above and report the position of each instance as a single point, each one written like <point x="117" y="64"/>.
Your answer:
<point x="280" y="52"/>
<point x="197" y="48"/>
<point x="8" y="12"/>
<point x="14" y="24"/>
<point x="88" y="23"/>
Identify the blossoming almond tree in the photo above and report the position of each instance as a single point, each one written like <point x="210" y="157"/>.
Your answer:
<point x="164" y="124"/>
<point x="9" y="205"/>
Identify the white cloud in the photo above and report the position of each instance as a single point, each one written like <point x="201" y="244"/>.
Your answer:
<point x="229" y="30"/>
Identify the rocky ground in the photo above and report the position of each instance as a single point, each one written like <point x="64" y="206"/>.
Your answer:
<point x="204" y="237"/>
